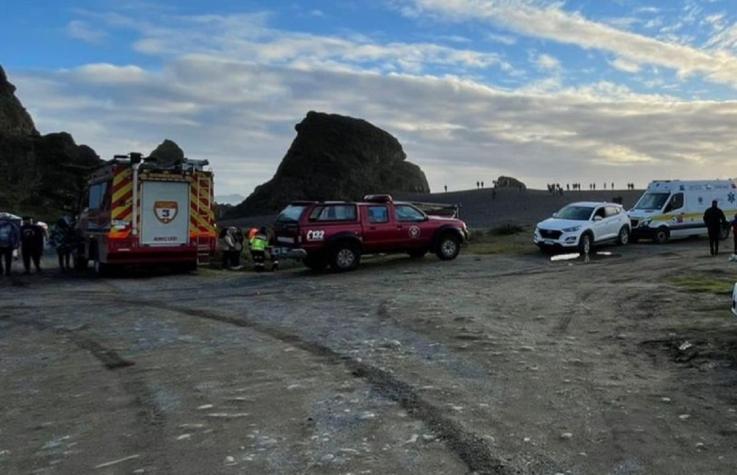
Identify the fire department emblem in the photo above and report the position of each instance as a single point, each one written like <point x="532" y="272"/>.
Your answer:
<point x="166" y="211"/>
<point x="414" y="232"/>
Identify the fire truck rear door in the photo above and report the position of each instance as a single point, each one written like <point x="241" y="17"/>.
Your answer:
<point x="164" y="213"/>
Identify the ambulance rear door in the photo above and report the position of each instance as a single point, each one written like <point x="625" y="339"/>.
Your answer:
<point x="164" y="213"/>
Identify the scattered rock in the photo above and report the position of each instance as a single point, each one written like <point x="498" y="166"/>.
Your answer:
<point x="566" y="436"/>
<point x="684" y="417"/>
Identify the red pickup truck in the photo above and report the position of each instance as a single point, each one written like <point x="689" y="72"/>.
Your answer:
<point x="337" y="233"/>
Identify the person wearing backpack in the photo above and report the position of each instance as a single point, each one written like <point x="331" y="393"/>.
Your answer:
<point x="31" y="244"/>
<point x="9" y="238"/>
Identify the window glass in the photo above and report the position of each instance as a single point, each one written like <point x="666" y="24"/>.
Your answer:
<point x="600" y="212"/>
<point x="334" y="213"/>
<point x="676" y="202"/>
<point x="576" y="213"/>
<point x="97" y="195"/>
<point x="408" y="213"/>
<point x="378" y="214"/>
<point x="611" y="211"/>
<point x="291" y="213"/>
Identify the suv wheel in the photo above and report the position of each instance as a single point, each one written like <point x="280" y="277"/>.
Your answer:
<point x="624" y="236"/>
<point x="448" y="247"/>
<point x="661" y="236"/>
<point x="345" y="257"/>
<point x="585" y="244"/>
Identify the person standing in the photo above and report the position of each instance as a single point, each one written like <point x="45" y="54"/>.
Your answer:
<point x="734" y="235"/>
<point x="715" y="221"/>
<point x="9" y="239"/>
<point x="63" y="240"/>
<point x="258" y="244"/>
<point x="31" y="244"/>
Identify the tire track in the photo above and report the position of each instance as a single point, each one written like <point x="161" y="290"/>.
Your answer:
<point x="469" y="447"/>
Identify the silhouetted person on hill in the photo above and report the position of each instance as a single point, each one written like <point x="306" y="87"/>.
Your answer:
<point x="446" y="188"/>
<point x="715" y="221"/>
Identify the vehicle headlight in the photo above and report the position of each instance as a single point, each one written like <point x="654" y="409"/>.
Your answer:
<point x="646" y="222"/>
<point x="572" y="230"/>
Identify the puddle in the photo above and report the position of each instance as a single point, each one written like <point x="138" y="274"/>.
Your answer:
<point x="584" y="258"/>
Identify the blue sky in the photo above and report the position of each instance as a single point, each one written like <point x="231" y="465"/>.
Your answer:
<point x="548" y="91"/>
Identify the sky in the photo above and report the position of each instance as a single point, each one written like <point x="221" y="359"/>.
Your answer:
<point x="543" y="90"/>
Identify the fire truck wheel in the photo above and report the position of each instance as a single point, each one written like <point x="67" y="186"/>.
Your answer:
<point x="345" y="256"/>
<point x="448" y="247"/>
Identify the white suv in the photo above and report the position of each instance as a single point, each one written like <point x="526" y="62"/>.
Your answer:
<point x="583" y="225"/>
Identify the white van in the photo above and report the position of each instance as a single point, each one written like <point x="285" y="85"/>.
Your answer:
<point x="675" y="209"/>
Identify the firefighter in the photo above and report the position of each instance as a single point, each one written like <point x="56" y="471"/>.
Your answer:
<point x="233" y="240"/>
<point x="715" y="222"/>
<point x="9" y="240"/>
<point x="258" y="244"/>
<point x="273" y="253"/>
<point x="32" y="244"/>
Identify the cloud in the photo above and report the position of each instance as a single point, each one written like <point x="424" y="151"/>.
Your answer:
<point x="547" y="62"/>
<point x="549" y="21"/>
<point x="81" y="30"/>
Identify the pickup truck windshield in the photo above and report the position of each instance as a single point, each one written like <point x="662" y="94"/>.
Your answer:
<point x="291" y="213"/>
<point x="575" y="213"/>
<point x="652" y="201"/>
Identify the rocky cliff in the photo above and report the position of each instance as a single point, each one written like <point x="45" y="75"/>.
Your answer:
<point x="335" y="157"/>
<point x="41" y="175"/>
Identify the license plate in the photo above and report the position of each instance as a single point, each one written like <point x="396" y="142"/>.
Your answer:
<point x="549" y="242"/>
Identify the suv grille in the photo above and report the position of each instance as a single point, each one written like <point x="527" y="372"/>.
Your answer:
<point x="547" y="234"/>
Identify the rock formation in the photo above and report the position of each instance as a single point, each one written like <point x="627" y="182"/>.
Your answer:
<point x="335" y="157"/>
<point x="509" y="182"/>
<point x="167" y="154"/>
<point x="41" y="175"/>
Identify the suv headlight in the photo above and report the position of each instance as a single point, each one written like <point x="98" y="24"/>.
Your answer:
<point x="572" y="230"/>
<point x="646" y="222"/>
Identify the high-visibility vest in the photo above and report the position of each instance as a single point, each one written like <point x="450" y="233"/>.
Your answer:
<point x="258" y="243"/>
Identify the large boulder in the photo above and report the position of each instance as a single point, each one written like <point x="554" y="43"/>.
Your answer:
<point x="509" y="182"/>
<point x="335" y="157"/>
<point x="42" y="175"/>
<point x="167" y="155"/>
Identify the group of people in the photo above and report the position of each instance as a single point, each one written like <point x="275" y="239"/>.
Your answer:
<point x="257" y="242"/>
<point x="28" y="237"/>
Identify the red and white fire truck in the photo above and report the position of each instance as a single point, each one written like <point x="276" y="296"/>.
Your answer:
<point x="138" y="212"/>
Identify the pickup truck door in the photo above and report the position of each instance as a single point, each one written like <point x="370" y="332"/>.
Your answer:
<point x="379" y="228"/>
<point x="412" y="227"/>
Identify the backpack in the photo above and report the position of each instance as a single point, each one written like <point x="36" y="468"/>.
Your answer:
<point x="6" y="234"/>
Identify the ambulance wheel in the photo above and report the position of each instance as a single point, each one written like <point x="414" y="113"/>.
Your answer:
<point x="315" y="263"/>
<point x="624" y="236"/>
<point x="448" y="247"/>
<point x="417" y="253"/>
<point x="661" y="236"/>
<point x="345" y="256"/>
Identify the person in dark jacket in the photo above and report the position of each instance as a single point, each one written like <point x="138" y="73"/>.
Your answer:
<point x="9" y="241"/>
<point x="64" y="240"/>
<point x="715" y="222"/>
<point x="31" y="244"/>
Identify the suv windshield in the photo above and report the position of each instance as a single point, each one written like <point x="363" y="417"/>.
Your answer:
<point x="576" y="213"/>
<point x="652" y="201"/>
<point x="291" y="213"/>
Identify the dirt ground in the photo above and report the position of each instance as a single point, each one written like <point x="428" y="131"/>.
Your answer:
<point x="504" y="363"/>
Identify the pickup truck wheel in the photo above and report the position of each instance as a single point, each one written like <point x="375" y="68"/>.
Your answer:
<point x="448" y="247"/>
<point x="317" y="264"/>
<point x="624" y="236"/>
<point x="585" y="244"/>
<point x="345" y="257"/>
<point x="417" y="253"/>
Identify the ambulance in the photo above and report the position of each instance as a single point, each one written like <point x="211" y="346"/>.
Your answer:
<point x="136" y="212"/>
<point x="673" y="209"/>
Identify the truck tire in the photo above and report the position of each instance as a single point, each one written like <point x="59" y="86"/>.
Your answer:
<point x="449" y="246"/>
<point x="586" y="244"/>
<point x="315" y="263"/>
<point x="417" y="253"/>
<point x="661" y="235"/>
<point x="345" y="256"/>
<point x="624" y="236"/>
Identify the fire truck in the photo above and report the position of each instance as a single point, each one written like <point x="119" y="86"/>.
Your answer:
<point x="136" y="212"/>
